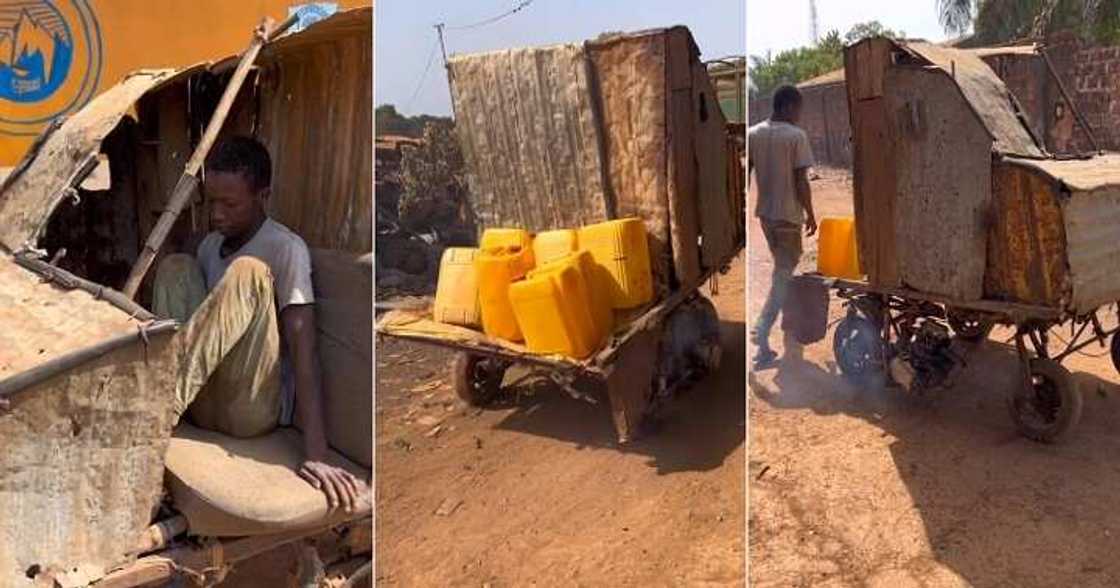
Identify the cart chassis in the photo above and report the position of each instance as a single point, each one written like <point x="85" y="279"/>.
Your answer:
<point x="898" y="316"/>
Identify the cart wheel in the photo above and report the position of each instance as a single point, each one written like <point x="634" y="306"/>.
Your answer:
<point x="1052" y="405"/>
<point x="477" y="378"/>
<point x="858" y="349"/>
<point x="708" y="350"/>
<point x="968" y="326"/>
<point x="1114" y="347"/>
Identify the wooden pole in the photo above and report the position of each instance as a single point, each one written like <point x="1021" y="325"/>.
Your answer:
<point x="187" y="183"/>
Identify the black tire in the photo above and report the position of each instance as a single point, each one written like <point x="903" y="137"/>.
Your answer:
<point x="969" y="327"/>
<point x="1051" y="407"/>
<point x="858" y="348"/>
<point x="477" y="379"/>
<point x="1114" y="347"/>
<point x="709" y="351"/>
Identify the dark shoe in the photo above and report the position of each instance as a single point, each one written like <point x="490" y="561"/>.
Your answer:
<point x="764" y="359"/>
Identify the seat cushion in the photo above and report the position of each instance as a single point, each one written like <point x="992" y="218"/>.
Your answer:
<point x="227" y="486"/>
<point x="344" y="317"/>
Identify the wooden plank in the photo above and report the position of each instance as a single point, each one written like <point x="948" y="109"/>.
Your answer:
<point x="716" y="205"/>
<point x="874" y="191"/>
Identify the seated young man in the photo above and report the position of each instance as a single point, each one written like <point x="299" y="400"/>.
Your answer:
<point x="246" y="303"/>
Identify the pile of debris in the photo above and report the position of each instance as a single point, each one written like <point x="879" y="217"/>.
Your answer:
<point x="422" y="208"/>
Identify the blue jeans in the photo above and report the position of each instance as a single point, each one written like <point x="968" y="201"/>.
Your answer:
<point x="784" y="240"/>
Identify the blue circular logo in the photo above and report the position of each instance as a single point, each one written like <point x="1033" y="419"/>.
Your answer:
<point x="50" y="61"/>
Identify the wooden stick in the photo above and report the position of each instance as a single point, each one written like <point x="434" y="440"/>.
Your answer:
<point x="189" y="180"/>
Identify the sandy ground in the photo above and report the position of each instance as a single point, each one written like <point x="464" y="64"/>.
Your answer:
<point x="541" y="494"/>
<point x="853" y="488"/>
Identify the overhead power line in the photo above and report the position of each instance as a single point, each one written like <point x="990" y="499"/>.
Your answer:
<point x="518" y="8"/>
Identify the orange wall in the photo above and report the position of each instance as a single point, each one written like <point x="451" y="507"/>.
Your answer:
<point x="108" y="39"/>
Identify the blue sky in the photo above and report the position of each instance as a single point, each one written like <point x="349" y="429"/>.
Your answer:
<point x="777" y="25"/>
<point x="404" y="37"/>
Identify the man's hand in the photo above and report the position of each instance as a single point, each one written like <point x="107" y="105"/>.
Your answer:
<point x="810" y="227"/>
<point x="340" y="486"/>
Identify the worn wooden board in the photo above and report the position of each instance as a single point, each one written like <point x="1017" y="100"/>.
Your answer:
<point x="943" y="157"/>
<point x="717" y="205"/>
<point x="1026" y="260"/>
<point x="530" y="141"/>
<point x="632" y="86"/>
<point x="683" y="185"/>
<point x="875" y="190"/>
<point x="82" y="467"/>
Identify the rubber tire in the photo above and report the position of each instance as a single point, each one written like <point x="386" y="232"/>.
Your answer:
<point x="475" y="388"/>
<point x="709" y="317"/>
<point x="1114" y="348"/>
<point x="965" y="332"/>
<point x="856" y="324"/>
<point x="1069" y="411"/>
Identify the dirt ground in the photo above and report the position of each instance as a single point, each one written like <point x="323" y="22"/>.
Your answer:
<point x="538" y="491"/>
<point x="853" y="488"/>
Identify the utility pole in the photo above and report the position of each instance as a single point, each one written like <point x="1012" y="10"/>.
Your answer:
<point x="814" y="29"/>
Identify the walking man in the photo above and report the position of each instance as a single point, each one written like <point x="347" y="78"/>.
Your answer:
<point x="780" y="157"/>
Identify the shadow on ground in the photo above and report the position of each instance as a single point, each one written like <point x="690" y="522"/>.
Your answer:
<point x="998" y="510"/>
<point x="696" y="431"/>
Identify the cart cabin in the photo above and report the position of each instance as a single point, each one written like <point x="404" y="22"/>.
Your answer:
<point x="926" y="123"/>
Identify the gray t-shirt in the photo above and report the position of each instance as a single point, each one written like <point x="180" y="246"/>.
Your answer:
<point x="776" y="149"/>
<point x="287" y="257"/>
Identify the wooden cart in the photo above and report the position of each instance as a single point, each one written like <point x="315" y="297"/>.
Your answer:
<point x="965" y="221"/>
<point x="626" y="125"/>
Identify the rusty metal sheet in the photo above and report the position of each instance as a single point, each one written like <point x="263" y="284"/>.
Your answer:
<point x="943" y="157"/>
<point x="530" y="141"/>
<point x="32" y="193"/>
<point x="1092" y="227"/>
<point x="81" y="469"/>
<point x="1026" y="242"/>
<point x="1081" y="175"/>
<point x="40" y="321"/>
<point x="987" y="95"/>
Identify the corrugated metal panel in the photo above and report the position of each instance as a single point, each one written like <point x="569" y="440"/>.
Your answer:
<point x="1092" y="225"/>
<point x="30" y="195"/>
<point x="81" y="469"/>
<point x="987" y="94"/>
<point x="316" y="119"/>
<point x="527" y="128"/>
<point x="1083" y="175"/>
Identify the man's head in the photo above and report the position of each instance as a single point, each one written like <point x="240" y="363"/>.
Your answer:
<point x="238" y="180"/>
<point x="787" y="104"/>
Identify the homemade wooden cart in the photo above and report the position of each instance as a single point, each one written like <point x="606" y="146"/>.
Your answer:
<point x="98" y="485"/>
<point x="965" y="222"/>
<point x="559" y="137"/>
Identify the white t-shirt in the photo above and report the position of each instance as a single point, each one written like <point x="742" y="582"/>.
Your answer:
<point x="287" y="257"/>
<point x="776" y="149"/>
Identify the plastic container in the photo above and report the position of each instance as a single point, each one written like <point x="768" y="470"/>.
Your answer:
<point x="550" y="246"/>
<point x="600" y="298"/>
<point x="457" y="290"/>
<point x="620" y="248"/>
<point x="494" y="238"/>
<point x="553" y="308"/>
<point x="495" y="270"/>
<point x="837" y="250"/>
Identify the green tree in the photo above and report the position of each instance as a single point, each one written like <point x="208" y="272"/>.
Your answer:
<point x="390" y="122"/>
<point x="797" y="65"/>
<point x="1002" y="21"/>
